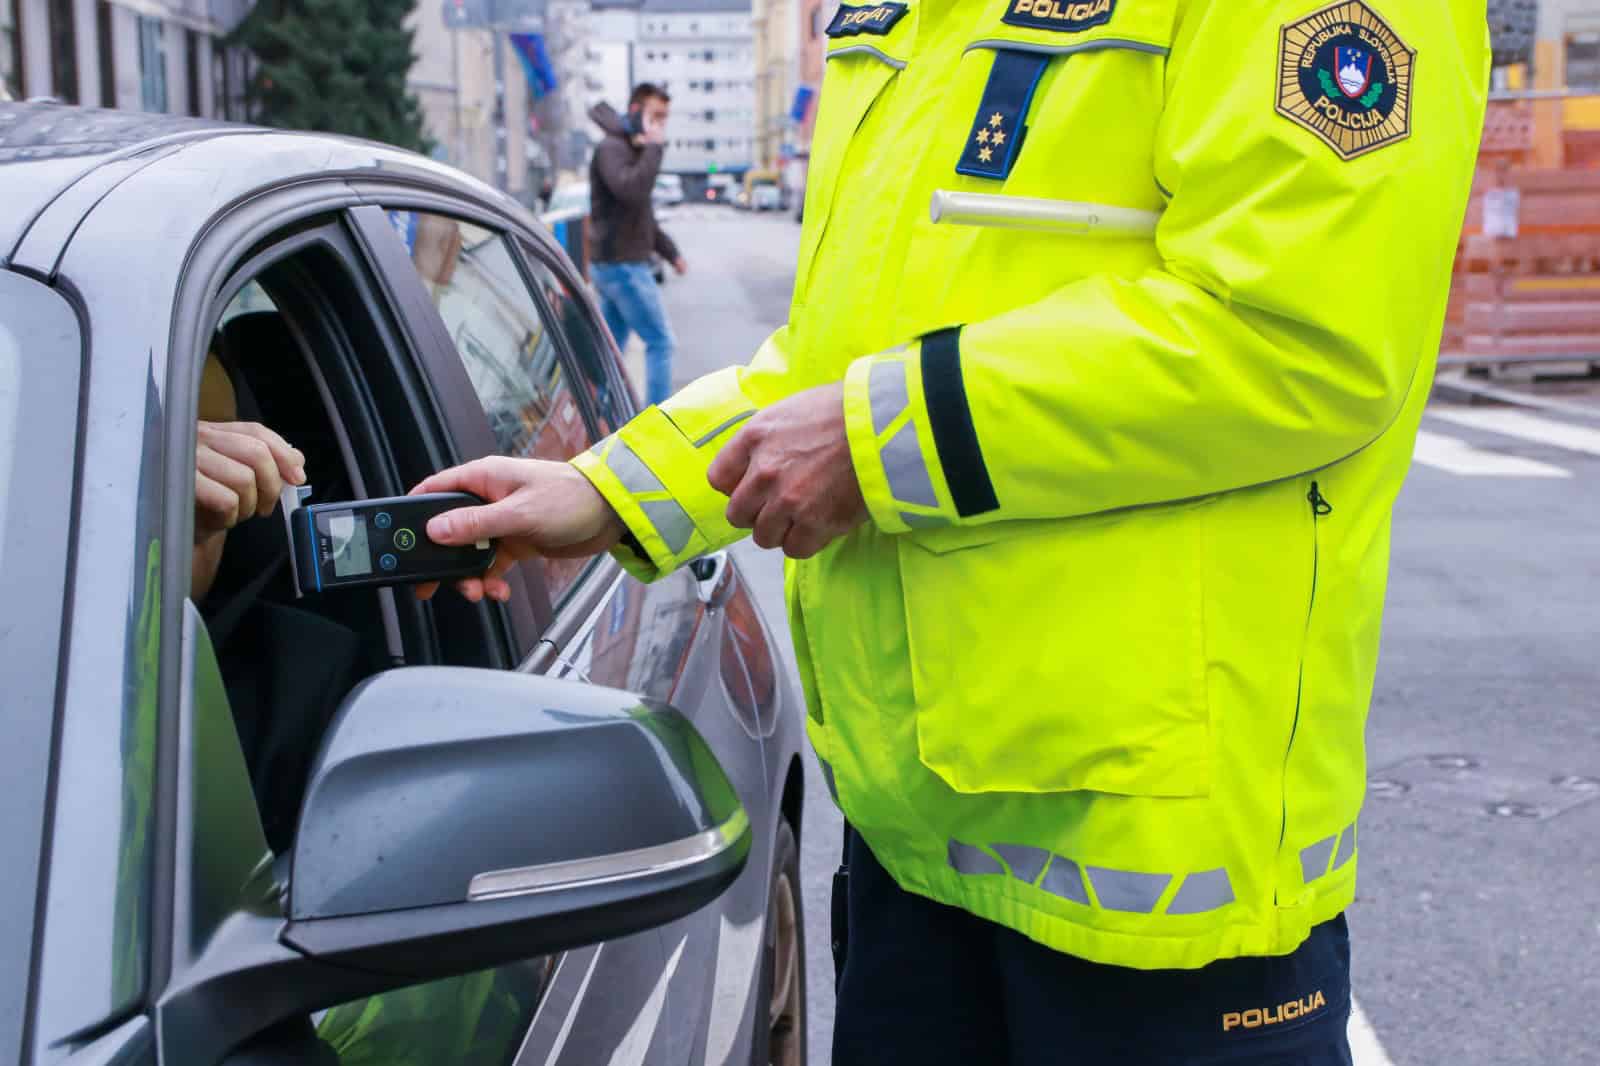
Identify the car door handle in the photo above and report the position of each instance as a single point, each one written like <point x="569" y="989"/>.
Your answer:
<point x="713" y="576"/>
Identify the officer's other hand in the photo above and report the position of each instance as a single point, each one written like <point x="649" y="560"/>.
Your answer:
<point x="788" y="476"/>
<point x="681" y="265"/>
<point x="535" y="508"/>
<point x="239" y="470"/>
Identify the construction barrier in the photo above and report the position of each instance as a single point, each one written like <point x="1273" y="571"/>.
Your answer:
<point x="1526" y="284"/>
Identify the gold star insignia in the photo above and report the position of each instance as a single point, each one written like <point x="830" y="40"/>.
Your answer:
<point x="995" y="119"/>
<point x="983" y="135"/>
<point x="984" y="154"/>
<point x="999" y="136"/>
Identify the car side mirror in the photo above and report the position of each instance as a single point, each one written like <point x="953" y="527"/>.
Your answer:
<point x="456" y="819"/>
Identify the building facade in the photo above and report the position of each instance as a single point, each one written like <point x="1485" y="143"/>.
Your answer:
<point x="777" y="26"/>
<point x="144" y="55"/>
<point x="703" y="53"/>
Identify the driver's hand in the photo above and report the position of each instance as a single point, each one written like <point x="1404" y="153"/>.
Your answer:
<point x="535" y="508"/>
<point x="239" y="470"/>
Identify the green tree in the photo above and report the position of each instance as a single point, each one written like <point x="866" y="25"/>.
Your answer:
<point x="338" y="66"/>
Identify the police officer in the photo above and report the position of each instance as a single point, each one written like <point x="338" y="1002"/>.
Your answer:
<point x="1089" y="508"/>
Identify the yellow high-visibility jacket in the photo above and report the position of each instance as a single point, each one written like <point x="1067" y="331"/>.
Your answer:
<point x="1099" y="666"/>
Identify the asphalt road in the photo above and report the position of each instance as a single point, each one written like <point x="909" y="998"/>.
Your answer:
<point x="1477" y="923"/>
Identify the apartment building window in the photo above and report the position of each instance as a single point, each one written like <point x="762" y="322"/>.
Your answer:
<point x="191" y="67"/>
<point x="11" y="49"/>
<point x="152" y="64"/>
<point x="1583" y="60"/>
<point x="108" y="54"/>
<point x="63" y="51"/>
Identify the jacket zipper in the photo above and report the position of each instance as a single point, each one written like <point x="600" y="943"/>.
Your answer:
<point x="1320" y="509"/>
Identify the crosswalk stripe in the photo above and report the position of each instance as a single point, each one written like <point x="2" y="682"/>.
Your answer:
<point x="1365" y="1047"/>
<point x="1458" y="457"/>
<point x="1512" y="423"/>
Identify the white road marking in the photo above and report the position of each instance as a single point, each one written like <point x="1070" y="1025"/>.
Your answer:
<point x="1459" y="457"/>
<point x="1512" y="423"/>
<point x="1365" y="1047"/>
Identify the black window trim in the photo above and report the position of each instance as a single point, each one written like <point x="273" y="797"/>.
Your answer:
<point x="277" y="253"/>
<point x="263" y="225"/>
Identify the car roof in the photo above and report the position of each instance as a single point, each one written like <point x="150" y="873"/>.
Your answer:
<point x="47" y="150"/>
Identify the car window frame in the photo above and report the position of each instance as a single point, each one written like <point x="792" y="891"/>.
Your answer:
<point x="523" y="251"/>
<point x="234" y="251"/>
<point x="45" y="580"/>
<point x="442" y="362"/>
<point x="375" y="446"/>
<point x="435" y="359"/>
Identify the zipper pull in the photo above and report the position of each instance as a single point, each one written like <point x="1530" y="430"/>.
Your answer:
<point x="1319" y="503"/>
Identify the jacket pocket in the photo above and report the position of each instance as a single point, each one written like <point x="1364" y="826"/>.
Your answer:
<point x="1064" y="655"/>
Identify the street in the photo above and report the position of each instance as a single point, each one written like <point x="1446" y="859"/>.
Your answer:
<point x="1477" y="919"/>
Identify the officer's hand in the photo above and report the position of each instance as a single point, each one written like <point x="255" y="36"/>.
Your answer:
<point x="681" y="265"/>
<point x="535" y="508"/>
<point x="788" y="477"/>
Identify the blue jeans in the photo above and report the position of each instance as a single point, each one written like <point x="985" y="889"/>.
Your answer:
<point x="630" y="299"/>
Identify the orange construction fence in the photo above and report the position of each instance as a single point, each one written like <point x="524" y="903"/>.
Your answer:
<point x="1526" y="284"/>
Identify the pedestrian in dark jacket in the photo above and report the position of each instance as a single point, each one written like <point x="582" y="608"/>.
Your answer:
<point x="624" y="233"/>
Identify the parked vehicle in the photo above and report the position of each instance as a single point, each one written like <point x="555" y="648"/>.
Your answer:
<point x="668" y="191"/>
<point x="766" y="197"/>
<point x="562" y="829"/>
<point x="720" y="188"/>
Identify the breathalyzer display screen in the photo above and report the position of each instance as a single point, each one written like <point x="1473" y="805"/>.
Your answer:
<point x="352" y="556"/>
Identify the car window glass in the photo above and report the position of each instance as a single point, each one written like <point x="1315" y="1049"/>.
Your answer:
<point x="591" y="352"/>
<point x="507" y="346"/>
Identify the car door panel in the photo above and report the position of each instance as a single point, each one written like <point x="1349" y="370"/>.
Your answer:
<point x="661" y="641"/>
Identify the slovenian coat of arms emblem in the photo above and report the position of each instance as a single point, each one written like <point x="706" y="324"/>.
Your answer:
<point x="1345" y="75"/>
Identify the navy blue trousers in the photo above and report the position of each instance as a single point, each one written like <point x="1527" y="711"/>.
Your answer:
<point x="925" y="984"/>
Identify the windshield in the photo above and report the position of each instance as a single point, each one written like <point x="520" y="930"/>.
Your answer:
<point x="40" y="357"/>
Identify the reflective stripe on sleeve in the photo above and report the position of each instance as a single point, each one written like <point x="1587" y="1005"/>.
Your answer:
<point x="907" y="470"/>
<point x="630" y="469"/>
<point x="672" y="522"/>
<point x="886" y="391"/>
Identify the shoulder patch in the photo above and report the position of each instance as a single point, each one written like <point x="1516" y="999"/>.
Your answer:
<point x="876" y="19"/>
<point x="1067" y="16"/>
<point x="1345" y="75"/>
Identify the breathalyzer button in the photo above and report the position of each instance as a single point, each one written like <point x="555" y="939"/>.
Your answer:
<point x="388" y="562"/>
<point x="382" y="520"/>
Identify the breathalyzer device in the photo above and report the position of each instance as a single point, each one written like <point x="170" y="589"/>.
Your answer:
<point x="364" y="543"/>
